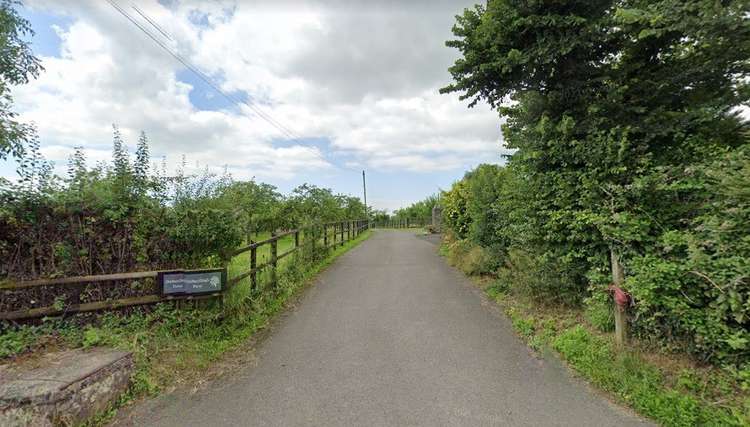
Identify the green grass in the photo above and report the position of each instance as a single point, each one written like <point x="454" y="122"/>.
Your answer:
<point x="638" y="384"/>
<point x="694" y="398"/>
<point x="668" y="388"/>
<point x="179" y="345"/>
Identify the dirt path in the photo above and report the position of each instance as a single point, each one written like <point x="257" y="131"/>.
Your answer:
<point x="390" y="335"/>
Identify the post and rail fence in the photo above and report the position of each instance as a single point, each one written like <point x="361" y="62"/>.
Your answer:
<point x="318" y="239"/>
<point x="403" y="223"/>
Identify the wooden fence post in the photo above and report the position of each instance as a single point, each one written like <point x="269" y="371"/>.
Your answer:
<point x="621" y="315"/>
<point x="348" y="230"/>
<point x="253" y="264"/>
<point x="341" y="230"/>
<point x="325" y="236"/>
<point x="274" y="259"/>
<point x="313" y="237"/>
<point x="296" y="239"/>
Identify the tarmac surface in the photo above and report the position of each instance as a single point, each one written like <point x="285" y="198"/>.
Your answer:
<point x="389" y="335"/>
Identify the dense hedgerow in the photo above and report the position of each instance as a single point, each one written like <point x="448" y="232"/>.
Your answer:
<point x="624" y="117"/>
<point x="128" y="216"/>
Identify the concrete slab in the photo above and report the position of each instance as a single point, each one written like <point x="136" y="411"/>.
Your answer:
<point x="63" y="387"/>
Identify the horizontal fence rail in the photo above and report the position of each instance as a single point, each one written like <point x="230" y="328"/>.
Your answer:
<point x="318" y="240"/>
<point x="403" y="223"/>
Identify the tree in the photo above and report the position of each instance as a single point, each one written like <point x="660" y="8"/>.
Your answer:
<point x="77" y="169"/>
<point x="596" y="110"/>
<point x="256" y="206"/>
<point x="614" y="108"/>
<point x="18" y="65"/>
<point x="141" y="165"/>
<point x="120" y="157"/>
<point x="420" y="211"/>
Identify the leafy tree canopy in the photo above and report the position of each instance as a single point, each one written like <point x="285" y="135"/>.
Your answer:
<point x="621" y="112"/>
<point x="18" y="65"/>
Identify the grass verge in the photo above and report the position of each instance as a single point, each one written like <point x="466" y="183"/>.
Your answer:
<point x="668" y="388"/>
<point x="173" y="346"/>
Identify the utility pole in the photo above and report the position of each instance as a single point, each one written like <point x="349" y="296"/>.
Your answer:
<point x="364" y="188"/>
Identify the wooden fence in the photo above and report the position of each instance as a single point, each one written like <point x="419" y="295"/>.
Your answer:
<point x="403" y="223"/>
<point x="318" y="239"/>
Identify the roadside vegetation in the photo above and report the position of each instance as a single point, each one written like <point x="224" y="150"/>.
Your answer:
<point x="630" y="144"/>
<point x="174" y="345"/>
<point x="130" y="214"/>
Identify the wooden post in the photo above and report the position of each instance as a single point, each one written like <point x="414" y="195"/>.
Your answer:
<point x="325" y="236"/>
<point x="253" y="264"/>
<point x="348" y="230"/>
<point x="341" y="230"/>
<point x="274" y="259"/>
<point x="296" y="239"/>
<point x="621" y="315"/>
<point x="313" y="236"/>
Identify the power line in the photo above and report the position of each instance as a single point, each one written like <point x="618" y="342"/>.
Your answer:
<point x="206" y="79"/>
<point x="150" y="21"/>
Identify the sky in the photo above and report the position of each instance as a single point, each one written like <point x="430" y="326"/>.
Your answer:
<point x="350" y="85"/>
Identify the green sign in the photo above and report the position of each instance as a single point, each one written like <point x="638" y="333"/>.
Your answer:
<point x="192" y="282"/>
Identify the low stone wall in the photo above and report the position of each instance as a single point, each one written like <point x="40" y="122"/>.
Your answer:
<point x="62" y="388"/>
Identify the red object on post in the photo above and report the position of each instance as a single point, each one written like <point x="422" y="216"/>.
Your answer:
<point x="622" y="298"/>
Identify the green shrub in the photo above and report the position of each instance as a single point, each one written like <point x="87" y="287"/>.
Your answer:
<point x="639" y="384"/>
<point x="528" y="276"/>
<point x="599" y="311"/>
<point x="15" y="341"/>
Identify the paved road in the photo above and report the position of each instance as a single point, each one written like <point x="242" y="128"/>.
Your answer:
<point x="391" y="336"/>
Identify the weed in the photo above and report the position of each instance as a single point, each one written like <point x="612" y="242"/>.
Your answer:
<point x="14" y="342"/>
<point x="599" y="312"/>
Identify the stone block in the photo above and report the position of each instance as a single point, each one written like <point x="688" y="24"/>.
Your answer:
<point x="62" y="388"/>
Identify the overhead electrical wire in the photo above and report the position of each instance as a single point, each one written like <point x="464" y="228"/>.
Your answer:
<point x="150" y="21"/>
<point x="205" y="78"/>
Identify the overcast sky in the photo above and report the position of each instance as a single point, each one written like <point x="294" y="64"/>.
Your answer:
<point x="355" y="82"/>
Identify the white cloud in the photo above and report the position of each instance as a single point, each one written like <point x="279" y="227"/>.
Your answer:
<point x="365" y="78"/>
